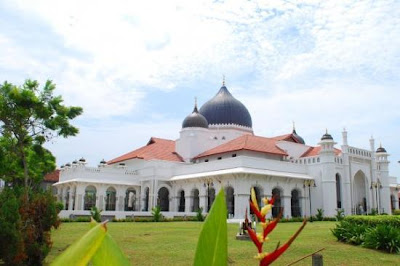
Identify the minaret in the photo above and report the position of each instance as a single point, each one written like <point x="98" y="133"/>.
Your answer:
<point x="328" y="180"/>
<point x="382" y="178"/>
<point x="345" y="185"/>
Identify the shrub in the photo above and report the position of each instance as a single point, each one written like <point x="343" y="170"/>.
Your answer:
<point x="96" y="214"/>
<point x="350" y="233"/>
<point x="375" y="220"/>
<point x="383" y="237"/>
<point x="320" y="215"/>
<point x="82" y="219"/>
<point x="156" y="212"/>
<point x="339" y="214"/>
<point x="199" y="215"/>
<point x="396" y="212"/>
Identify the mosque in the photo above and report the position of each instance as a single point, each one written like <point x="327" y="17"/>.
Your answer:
<point x="217" y="149"/>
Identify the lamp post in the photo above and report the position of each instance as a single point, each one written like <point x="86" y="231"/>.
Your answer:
<point x="309" y="184"/>
<point x="208" y="183"/>
<point x="376" y="185"/>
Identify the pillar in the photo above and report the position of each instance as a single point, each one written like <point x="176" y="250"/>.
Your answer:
<point x="287" y="208"/>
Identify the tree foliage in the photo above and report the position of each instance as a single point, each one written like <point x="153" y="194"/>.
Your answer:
<point x="29" y="117"/>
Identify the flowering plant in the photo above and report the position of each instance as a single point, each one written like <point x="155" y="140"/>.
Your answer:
<point x="267" y="226"/>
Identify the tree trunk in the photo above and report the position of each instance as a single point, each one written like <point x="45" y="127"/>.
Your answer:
<point x="25" y="164"/>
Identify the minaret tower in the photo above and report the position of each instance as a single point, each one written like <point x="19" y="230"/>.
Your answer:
<point x="328" y="180"/>
<point x="382" y="179"/>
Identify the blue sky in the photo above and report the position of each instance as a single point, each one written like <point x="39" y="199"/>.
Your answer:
<point x="136" y="66"/>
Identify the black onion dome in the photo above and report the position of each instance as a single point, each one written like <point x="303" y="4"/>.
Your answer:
<point x="225" y="109"/>
<point x="381" y="150"/>
<point x="297" y="137"/>
<point x="195" y="119"/>
<point x="326" y="136"/>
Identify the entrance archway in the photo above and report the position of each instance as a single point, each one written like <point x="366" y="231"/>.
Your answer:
<point x="230" y="201"/>
<point x="360" y="193"/>
<point x="163" y="199"/>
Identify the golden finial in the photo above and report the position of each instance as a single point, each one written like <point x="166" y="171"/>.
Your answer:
<point x="223" y="80"/>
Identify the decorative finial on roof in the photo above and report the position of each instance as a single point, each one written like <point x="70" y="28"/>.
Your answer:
<point x="223" y="80"/>
<point x="294" y="126"/>
<point x="195" y="110"/>
<point x="326" y="130"/>
<point x="344" y="129"/>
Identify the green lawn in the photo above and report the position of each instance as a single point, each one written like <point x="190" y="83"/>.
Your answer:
<point x="174" y="243"/>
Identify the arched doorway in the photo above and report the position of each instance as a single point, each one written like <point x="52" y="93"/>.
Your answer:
<point x="181" y="206"/>
<point x="360" y="194"/>
<point x="110" y="199"/>
<point x="163" y="199"/>
<point x="230" y="201"/>
<point x="276" y="193"/>
<point x="211" y="198"/>
<point x="257" y="191"/>
<point x="146" y="199"/>
<point x="130" y="199"/>
<point x="295" y="203"/>
<point x="89" y="200"/>
<point x="338" y="192"/>
<point x="196" y="200"/>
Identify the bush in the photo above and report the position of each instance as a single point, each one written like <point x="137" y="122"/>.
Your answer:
<point x="199" y="215"/>
<point x="375" y="220"/>
<point x="377" y="232"/>
<point x="26" y="220"/>
<point x="156" y="212"/>
<point x="96" y="214"/>
<point x="396" y="212"/>
<point x="320" y="215"/>
<point x="383" y="237"/>
<point x="339" y="215"/>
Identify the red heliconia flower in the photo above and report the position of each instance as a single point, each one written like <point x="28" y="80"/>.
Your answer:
<point x="268" y="227"/>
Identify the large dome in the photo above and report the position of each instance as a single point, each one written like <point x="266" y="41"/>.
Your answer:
<point x="224" y="109"/>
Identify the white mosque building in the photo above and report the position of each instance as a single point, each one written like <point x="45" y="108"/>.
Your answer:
<point x="217" y="149"/>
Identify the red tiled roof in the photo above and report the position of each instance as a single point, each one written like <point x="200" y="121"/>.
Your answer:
<point x="287" y="137"/>
<point x="156" y="149"/>
<point x="313" y="151"/>
<point x="246" y="142"/>
<point x="52" y="177"/>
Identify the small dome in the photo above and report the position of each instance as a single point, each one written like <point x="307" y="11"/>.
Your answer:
<point x="224" y="109"/>
<point x="82" y="160"/>
<point x="326" y="136"/>
<point x="381" y="150"/>
<point x="297" y="137"/>
<point x="103" y="162"/>
<point x="195" y="119"/>
<point x="67" y="165"/>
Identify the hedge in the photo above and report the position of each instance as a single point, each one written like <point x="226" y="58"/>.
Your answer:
<point x="374" y="220"/>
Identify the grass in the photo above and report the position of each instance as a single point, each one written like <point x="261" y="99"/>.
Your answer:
<point x="174" y="243"/>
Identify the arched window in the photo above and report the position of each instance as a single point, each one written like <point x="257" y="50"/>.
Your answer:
<point x="295" y="203"/>
<point x="276" y="193"/>
<point x="163" y="199"/>
<point x="196" y="200"/>
<point x="90" y="198"/>
<point x="181" y="207"/>
<point x="211" y="197"/>
<point x="130" y="200"/>
<point x="110" y="199"/>
<point x="230" y="201"/>
<point x="146" y="199"/>
<point x="338" y="192"/>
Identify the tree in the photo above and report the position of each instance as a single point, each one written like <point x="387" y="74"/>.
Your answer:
<point x="29" y="117"/>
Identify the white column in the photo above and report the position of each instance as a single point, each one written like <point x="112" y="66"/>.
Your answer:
<point x="71" y="197"/>
<point x="287" y="208"/>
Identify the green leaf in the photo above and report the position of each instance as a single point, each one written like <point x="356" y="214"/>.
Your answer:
<point x="82" y="251"/>
<point x="212" y="246"/>
<point x="109" y="254"/>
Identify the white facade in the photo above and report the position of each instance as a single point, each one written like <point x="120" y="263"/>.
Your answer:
<point x="353" y="179"/>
